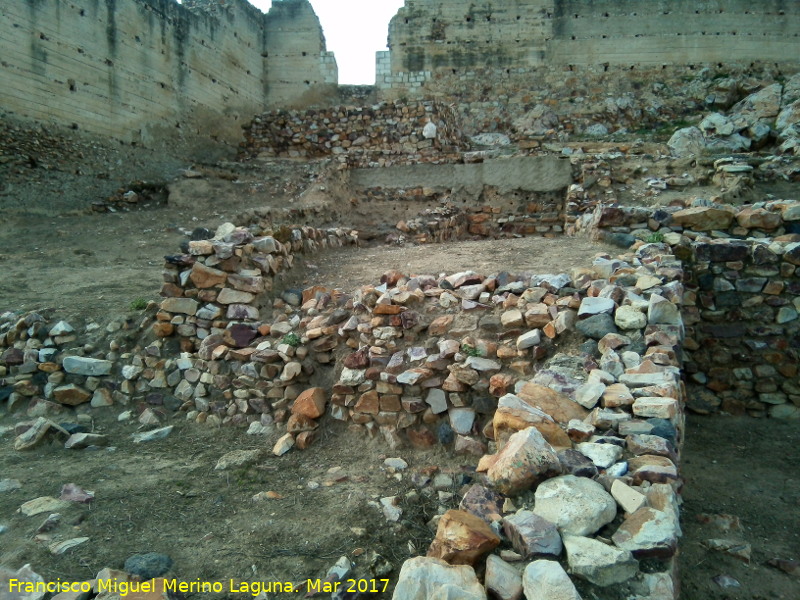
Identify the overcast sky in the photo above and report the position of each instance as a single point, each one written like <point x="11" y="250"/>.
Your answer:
<point x="354" y="30"/>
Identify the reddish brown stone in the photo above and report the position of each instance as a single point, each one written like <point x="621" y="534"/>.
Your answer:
<point x="305" y="439"/>
<point x="298" y="423"/>
<point x="421" y="437"/>
<point x="163" y="328"/>
<point x="388" y="309"/>
<point x="462" y="538"/>
<point x="205" y="277"/>
<point x="310" y="403"/>
<point x="368" y="403"/>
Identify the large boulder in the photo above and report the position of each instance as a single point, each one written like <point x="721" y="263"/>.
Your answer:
<point x="688" y="141"/>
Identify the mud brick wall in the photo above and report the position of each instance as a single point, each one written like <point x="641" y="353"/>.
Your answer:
<point x="359" y="135"/>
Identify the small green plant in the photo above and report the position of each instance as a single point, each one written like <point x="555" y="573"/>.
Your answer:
<point x="655" y="238"/>
<point x="139" y="304"/>
<point x="470" y="350"/>
<point x="291" y="339"/>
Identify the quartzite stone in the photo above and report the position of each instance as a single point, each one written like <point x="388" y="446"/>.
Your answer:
<point x="576" y="505"/>
<point x="525" y="460"/>
<point x="462" y="538"/>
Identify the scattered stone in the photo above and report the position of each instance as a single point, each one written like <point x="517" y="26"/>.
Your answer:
<point x="482" y="502"/>
<point x="236" y="459"/>
<point x="41" y="505"/>
<point x="79" y="441"/>
<point x="283" y="445"/>
<point x="58" y="548"/>
<point x="152" y="435"/>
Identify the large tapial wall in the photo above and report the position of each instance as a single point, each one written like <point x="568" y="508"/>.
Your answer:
<point x="430" y="39"/>
<point x="133" y="68"/>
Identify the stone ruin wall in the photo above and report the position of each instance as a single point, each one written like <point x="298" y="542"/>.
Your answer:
<point x="357" y="136"/>
<point x="133" y="68"/>
<point x="538" y="58"/>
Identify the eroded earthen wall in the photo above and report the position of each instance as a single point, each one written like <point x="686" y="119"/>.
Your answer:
<point x="129" y="68"/>
<point x="430" y="39"/>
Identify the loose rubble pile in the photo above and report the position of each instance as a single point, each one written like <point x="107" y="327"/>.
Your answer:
<point x="766" y="117"/>
<point x="379" y="135"/>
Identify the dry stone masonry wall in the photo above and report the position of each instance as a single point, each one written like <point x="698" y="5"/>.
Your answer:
<point x="740" y="306"/>
<point x="358" y="136"/>
<point x="127" y="69"/>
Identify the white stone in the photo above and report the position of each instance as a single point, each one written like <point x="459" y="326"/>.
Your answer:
<point x="595" y="306"/>
<point x="529" y="340"/>
<point x="627" y="317"/>
<point x="352" y="377"/>
<point x="599" y="563"/>
<point x="576" y="505"/>
<point x="547" y="580"/>
<point x="655" y="407"/>
<point x="424" y="578"/>
<point x="589" y="393"/>
<point x="602" y="455"/>
<point x="628" y="498"/>
<point x="647" y="531"/>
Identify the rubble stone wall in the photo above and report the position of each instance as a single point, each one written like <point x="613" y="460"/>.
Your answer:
<point x="741" y="303"/>
<point x="358" y="135"/>
<point x="129" y="69"/>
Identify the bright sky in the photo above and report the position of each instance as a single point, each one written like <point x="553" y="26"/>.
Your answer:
<point x="354" y="30"/>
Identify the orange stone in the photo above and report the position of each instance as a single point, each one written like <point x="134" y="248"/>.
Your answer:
<point x="462" y="538"/>
<point x="310" y="403"/>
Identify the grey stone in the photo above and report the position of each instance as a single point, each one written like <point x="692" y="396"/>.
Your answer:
<point x="595" y="305"/>
<point x="461" y="419"/>
<point x="599" y="563"/>
<point x="82" y="365"/>
<point x="597" y="326"/>
<point x="502" y="580"/>
<point x="148" y="566"/>
<point x="531" y="534"/>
